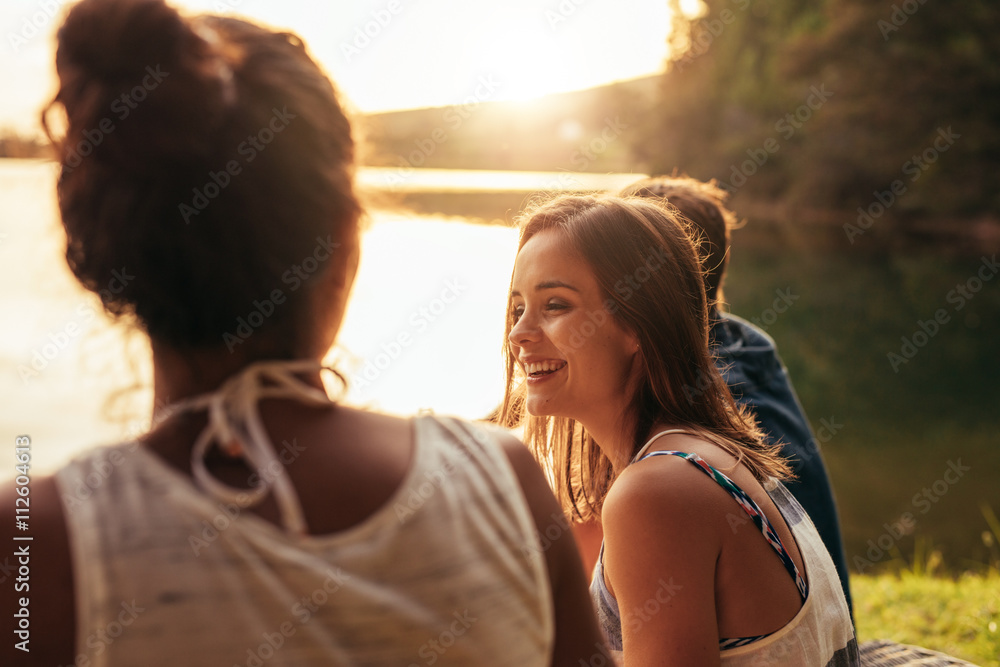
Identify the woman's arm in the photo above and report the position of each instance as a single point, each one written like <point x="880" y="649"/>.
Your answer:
<point x="45" y="583"/>
<point x="660" y="552"/>
<point x="577" y="636"/>
<point x="588" y="541"/>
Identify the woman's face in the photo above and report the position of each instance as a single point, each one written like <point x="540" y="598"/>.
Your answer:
<point x="576" y="356"/>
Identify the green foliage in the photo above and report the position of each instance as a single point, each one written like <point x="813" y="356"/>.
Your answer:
<point x="590" y="130"/>
<point x="897" y="73"/>
<point x="899" y="429"/>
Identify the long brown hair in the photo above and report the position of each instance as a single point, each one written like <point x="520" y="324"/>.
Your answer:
<point x="666" y="309"/>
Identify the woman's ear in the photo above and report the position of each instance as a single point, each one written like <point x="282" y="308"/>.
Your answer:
<point x="353" y="261"/>
<point x="331" y="298"/>
<point x="632" y="341"/>
<point x="638" y="360"/>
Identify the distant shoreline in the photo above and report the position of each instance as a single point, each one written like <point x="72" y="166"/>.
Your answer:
<point x="495" y="197"/>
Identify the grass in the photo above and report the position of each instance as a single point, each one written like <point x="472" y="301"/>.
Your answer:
<point x="958" y="616"/>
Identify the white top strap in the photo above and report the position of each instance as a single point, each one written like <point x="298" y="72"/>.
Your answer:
<point x="233" y="417"/>
<point x="653" y="439"/>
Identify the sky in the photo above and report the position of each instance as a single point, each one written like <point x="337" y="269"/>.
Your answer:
<point x="396" y="54"/>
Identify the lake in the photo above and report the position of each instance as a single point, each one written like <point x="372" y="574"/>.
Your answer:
<point x="72" y="379"/>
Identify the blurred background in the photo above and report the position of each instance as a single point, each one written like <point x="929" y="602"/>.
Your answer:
<point x="860" y="141"/>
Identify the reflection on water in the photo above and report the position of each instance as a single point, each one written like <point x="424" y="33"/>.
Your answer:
<point x="406" y="179"/>
<point x="423" y="330"/>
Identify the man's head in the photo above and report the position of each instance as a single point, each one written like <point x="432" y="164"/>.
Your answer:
<point x="704" y="205"/>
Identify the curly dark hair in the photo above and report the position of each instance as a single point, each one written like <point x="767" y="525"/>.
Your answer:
<point x="205" y="156"/>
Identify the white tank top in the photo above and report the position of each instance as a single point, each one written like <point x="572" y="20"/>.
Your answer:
<point x="450" y="571"/>
<point x="819" y="635"/>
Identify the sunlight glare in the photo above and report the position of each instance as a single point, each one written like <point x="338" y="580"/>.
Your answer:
<point x="431" y="53"/>
<point x="519" y="50"/>
<point x="693" y="8"/>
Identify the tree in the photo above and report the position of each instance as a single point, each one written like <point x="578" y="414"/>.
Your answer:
<point x="826" y="105"/>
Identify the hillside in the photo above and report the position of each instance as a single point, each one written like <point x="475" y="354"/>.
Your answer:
<point x="589" y="130"/>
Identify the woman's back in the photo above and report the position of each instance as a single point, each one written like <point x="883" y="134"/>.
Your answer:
<point x="448" y="569"/>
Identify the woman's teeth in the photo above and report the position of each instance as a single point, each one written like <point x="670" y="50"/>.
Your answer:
<point x="543" y="367"/>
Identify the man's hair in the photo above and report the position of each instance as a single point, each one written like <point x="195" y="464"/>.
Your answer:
<point x="704" y="205"/>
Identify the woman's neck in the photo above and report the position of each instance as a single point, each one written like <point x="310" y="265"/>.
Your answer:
<point x="619" y="443"/>
<point x="178" y="376"/>
<point x="615" y="437"/>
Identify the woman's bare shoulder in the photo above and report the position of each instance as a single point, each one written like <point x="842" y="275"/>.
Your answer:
<point x="671" y="493"/>
<point x="37" y="570"/>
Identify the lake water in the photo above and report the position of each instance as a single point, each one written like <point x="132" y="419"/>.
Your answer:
<point x="71" y="379"/>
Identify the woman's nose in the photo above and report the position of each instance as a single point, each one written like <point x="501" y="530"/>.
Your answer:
<point x="524" y="331"/>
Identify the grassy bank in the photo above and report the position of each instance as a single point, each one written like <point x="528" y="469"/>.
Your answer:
<point x="959" y="617"/>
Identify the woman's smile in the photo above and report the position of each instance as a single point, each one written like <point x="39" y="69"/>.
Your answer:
<point x="538" y="371"/>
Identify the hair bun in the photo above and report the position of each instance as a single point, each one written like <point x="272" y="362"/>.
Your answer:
<point x="166" y="116"/>
<point x="114" y="56"/>
<point x="114" y="40"/>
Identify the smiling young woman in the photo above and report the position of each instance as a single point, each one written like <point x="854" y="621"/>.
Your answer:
<point x="609" y="369"/>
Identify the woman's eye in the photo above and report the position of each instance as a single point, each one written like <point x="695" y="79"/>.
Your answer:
<point x="552" y="306"/>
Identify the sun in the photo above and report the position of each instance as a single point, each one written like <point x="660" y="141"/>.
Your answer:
<point x="536" y="47"/>
<point x="516" y="48"/>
